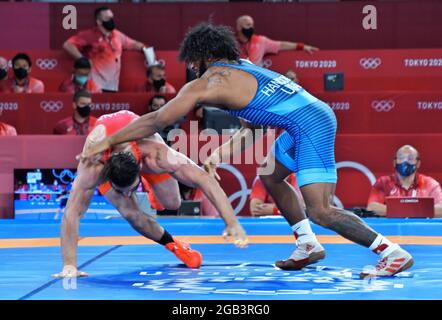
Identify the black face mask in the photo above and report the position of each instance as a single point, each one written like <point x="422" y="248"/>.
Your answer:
<point x="21" y="73"/>
<point x="157" y="84"/>
<point x="85" y="111"/>
<point x="109" y="25"/>
<point x="3" y="73"/>
<point x="405" y="169"/>
<point x="248" y="32"/>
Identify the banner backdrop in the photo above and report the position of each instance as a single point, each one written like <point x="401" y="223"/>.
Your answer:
<point x="363" y="112"/>
<point x="38" y="113"/>
<point x="360" y="158"/>
<point x="364" y="70"/>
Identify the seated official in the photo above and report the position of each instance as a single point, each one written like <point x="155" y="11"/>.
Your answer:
<point x="80" y="78"/>
<point x="404" y="182"/>
<point x="22" y="82"/>
<point x="81" y="122"/>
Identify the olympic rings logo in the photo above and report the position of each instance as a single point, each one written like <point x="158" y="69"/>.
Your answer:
<point x="46" y="64"/>
<point x="267" y="63"/>
<point x="66" y="176"/>
<point x="382" y="105"/>
<point x="370" y="63"/>
<point x="51" y="106"/>
<point x="37" y="197"/>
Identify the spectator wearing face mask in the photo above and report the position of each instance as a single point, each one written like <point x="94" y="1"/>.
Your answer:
<point x="156" y="81"/>
<point x="22" y="82"/>
<point x="404" y="182"/>
<point x="3" y="75"/>
<point x="254" y="47"/>
<point x="80" y="80"/>
<point x="81" y="122"/>
<point x="103" y="45"/>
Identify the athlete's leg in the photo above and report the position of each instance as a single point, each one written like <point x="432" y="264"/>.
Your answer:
<point x="317" y="200"/>
<point x="131" y="211"/>
<point x="187" y="172"/>
<point x="308" y="250"/>
<point x="166" y="190"/>
<point x="281" y="191"/>
<point x="151" y="229"/>
<point x="350" y="226"/>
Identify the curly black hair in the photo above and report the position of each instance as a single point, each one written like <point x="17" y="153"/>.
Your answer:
<point x="121" y="169"/>
<point x="208" y="41"/>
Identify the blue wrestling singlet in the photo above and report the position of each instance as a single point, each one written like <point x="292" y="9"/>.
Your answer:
<point x="307" y="145"/>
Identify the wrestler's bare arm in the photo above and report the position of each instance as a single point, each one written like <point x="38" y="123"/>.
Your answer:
<point x="210" y="89"/>
<point x="88" y="176"/>
<point x="150" y="123"/>
<point x="240" y="141"/>
<point x="187" y="172"/>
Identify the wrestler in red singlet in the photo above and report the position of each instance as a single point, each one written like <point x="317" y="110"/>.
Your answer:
<point x="114" y="122"/>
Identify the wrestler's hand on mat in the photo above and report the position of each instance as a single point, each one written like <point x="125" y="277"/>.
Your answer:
<point x="93" y="150"/>
<point x="70" y="272"/>
<point x="238" y="234"/>
<point x="210" y="166"/>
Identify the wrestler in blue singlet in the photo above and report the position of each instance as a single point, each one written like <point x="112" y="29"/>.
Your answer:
<point x="307" y="145"/>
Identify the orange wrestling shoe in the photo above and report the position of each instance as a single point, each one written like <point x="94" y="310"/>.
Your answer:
<point x="191" y="258"/>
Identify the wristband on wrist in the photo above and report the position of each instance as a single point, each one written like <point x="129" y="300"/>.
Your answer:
<point x="299" y="46"/>
<point x="275" y="210"/>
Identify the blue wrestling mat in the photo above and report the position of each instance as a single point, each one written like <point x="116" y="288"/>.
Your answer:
<point x="119" y="267"/>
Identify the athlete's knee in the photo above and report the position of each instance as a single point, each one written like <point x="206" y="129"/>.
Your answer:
<point x="137" y="219"/>
<point x="320" y="215"/>
<point x="128" y="215"/>
<point x="167" y="193"/>
<point x="172" y="202"/>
